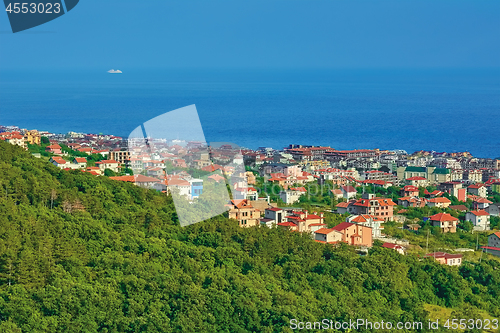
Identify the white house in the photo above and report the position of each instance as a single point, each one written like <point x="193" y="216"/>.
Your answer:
<point x="81" y="162"/>
<point x="348" y="192"/>
<point x="478" y="189"/>
<point x="480" y="219"/>
<point x="182" y="187"/>
<point x="369" y="221"/>
<point x="292" y="195"/>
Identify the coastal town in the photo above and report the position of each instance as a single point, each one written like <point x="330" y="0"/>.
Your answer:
<point x="357" y="197"/>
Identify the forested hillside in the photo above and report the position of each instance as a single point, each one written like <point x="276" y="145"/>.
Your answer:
<point x="80" y="253"/>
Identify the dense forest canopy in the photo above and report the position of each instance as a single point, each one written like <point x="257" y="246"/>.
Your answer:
<point x="80" y="253"/>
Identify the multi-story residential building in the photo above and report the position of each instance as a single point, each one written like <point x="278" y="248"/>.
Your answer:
<point x="379" y="175"/>
<point x="381" y="208"/>
<point x="410" y="191"/>
<point x="81" y="162"/>
<point x="479" y="163"/>
<point x="292" y="195"/>
<point x="196" y="187"/>
<point x="109" y="164"/>
<point x="245" y="213"/>
<point x="432" y="174"/>
<point x="336" y="155"/>
<point x="121" y="156"/>
<point x="478" y="189"/>
<point x="350" y="233"/>
<point x="287" y="170"/>
<point x="375" y="223"/>
<point x="455" y="189"/>
<point x="445" y="163"/>
<point x="301" y="153"/>
<point x="348" y="192"/>
<point x="412" y="202"/>
<point x="445" y="221"/>
<point x="179" y="186"/>
<point x="480" y="219"/>
<point x="473" y="175"/>
<point x="54" y="149"/>
<point x="32" y="137"/>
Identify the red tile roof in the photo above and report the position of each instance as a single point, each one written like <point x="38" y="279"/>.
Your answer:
<point x="442" y="217"/>
<point x="107" y="162"/>
<point x="440" y="200"/>
<point x="480" y="213"/>
<point x="342" y="226"/>
<point x="391" y="246"/>
<point x="491" y="248"/>
<point x="476" y="186"/>
<point x="410" y="188"/>
<point x="324" y="231"/>
<point x="349" y="189"/>
<point x="443" y="255"/>
<point x="483" y="200"/>
<point x="416" y="178"/>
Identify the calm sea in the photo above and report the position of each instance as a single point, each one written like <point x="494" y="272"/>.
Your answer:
<point x="441" y="110"/>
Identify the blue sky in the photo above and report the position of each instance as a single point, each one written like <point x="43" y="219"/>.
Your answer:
<point x="260" y="34"/>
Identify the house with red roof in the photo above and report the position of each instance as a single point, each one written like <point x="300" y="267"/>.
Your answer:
<point x="481" y="203"/>
<point x="446" y="258"/>
<point x="292" y="195"/>
<point x="343" y="207"/>
<point x="480" y="219"/>
<point x="139" y="180"/>
<point x="409" y="191"/>
<point x="59" y="162"/>
<point x="348" y="192"/>
<point x="350" y="233"/>
<point x="417" y="181"/>
<point x="412" y="202"/>
<point x="337" y="193"/>
<point x="14" y="138"/>
<point x="381" y="208"/>
<point x="460" y="208"/>
<point x="81" y="162"/>
<point x="370" y="221"/>
<point x="398" y="248"/>
<point x="478" y="189"/>
<point x="108" y="164"/>
<point x="445" y="221"/>
<point x="244" y="213"/>
<point x="179" y="186"/>
<point x="54" y="149"/>
<point x="440" y="202"/>
<point x="276" y="214"/>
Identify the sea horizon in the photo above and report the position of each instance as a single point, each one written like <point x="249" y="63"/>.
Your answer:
<point x="450" y="110"/>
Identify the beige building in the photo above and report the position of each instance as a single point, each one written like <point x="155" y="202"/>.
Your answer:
<point x="445" y="221"/>
<point x="121" y="156"/>
<point x="32" y="137"/>
<point x="109" y="164"/>
<point x="245" y="213"/>
<point x="432" y="174"/>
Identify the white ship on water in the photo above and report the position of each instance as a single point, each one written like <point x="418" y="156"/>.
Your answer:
<point x="115" y="71"/>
